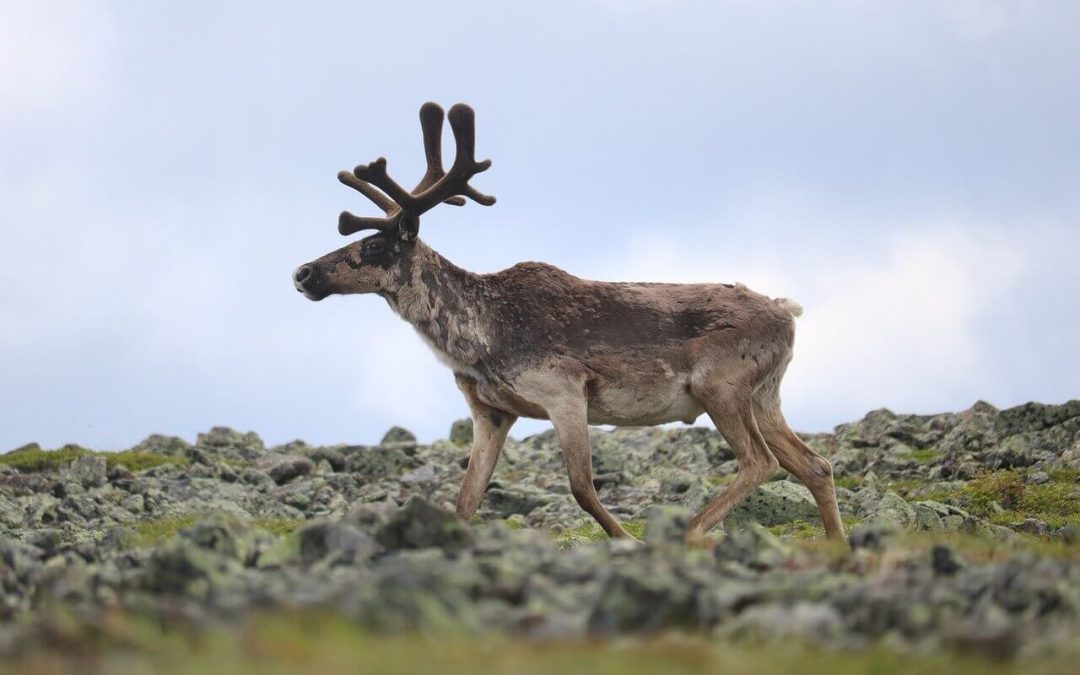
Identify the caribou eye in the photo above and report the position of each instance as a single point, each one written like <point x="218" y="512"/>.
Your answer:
<point x="374" y="248"/>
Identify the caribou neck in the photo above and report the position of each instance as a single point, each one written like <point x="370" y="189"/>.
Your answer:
<point x="444" y="303"/>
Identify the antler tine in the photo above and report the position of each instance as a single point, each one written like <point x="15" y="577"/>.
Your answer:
<point x="463" y="123"/>
<point x="350" y="224"/>
<point x="431" y="123"/>
<point x="368" y="190"/>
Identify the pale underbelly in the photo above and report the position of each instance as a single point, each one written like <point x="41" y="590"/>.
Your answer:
<point x="632" y="406"/>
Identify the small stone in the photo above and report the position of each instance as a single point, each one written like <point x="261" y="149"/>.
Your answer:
<point x="666" y="525"/>
<point x="927" y="519"/>
<point x="461" y="432"/>
<point x="398" y="435"/>
<point x="944" y="560"/>
<point x="754" y="547"/>
<point x="774" y="503"/>
<point x="88" y="471"/>
<point x="420" y="524"/>
<point x="331" y="456"/>
<point x="893" y="508"/>
<point x="290" y="468"/>
<point x="1032" y="526"/>
<point x="873" y="535"/>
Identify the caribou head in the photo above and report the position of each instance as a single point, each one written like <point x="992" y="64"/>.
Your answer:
<point x="380" y="260"/>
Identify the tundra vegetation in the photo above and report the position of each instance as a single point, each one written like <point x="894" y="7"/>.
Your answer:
<point x="228" y="556"/>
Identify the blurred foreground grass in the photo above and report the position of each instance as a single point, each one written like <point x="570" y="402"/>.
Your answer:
<point x="328" y="645"/>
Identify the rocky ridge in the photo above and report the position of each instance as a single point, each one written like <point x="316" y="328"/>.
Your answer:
<point x="965" y="534"/>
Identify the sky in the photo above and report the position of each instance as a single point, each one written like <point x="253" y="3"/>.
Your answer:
<point x="908" y="171"/>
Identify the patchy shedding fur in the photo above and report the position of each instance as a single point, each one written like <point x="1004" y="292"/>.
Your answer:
<point x="535" y="341"/>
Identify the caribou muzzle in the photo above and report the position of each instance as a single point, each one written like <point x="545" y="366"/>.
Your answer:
<point x="311" y="282"/>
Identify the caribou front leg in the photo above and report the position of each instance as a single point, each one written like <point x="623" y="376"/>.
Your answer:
<point x="490" y="428"/>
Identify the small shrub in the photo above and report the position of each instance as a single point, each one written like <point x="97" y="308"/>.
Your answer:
<point x="1006" y="488"/>
<point x="34" y="459"/>
<point x="140" y="461"/>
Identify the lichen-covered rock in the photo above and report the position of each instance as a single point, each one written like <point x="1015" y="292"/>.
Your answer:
<point x="88" y="471"/>
<point x="215" y="536"/>
<point x="893" y="508"/>
<point x="666" y="525"/>
<point x="774" y="503"/>
<point x="461" y="432"/>
<point x="376" y="462"/>
<point x="289" y="468"/>
<point x="398" y="435"/>
<point x="420" y="524"/>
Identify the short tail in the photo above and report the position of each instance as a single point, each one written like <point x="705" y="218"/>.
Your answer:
<point x="792" y="307"/>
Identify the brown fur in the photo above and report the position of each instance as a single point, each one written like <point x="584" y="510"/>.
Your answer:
<point x="535" y="341"/>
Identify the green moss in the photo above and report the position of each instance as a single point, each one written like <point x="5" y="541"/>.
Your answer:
<point x="908" y="486"/>
<point x="1004" y="498"/>
<point x="1065" y="475"/>
<point x="291" y="642"/>
<point x="278" y="526"/>
<point x="593" y="532"/>
<point x="140" y="461"/>
<point x="924" y="455"/>
<point x="798" y="529"/>
<point x="34" y="459"/>
<point x="1004" y="489"/>
<point x="721" y="479"/>
<point x="152" y="532"/>
<point x="847" y="482"/>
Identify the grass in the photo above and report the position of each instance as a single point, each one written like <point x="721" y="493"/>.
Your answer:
<point x="924" y="455"/>
<point x="33" y="459"/>
<point x="847" y="482"/>
<point x="148" y="533"/>
<point x="329" y="644"/>
<point x="1005" y="499"/>
<point x="805" y="529"/>
<point x="593" y="532"/>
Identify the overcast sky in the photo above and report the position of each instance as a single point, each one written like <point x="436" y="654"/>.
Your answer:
<point x="908" y="171"/>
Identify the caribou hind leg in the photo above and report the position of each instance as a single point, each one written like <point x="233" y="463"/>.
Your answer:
<point x="731" y="410"/>
<point x="796" y="457"/>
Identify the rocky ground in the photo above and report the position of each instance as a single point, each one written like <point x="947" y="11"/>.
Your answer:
<point x="965" y="538"/>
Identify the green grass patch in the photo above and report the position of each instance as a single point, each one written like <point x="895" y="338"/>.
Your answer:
<point x="719" y="480"/>
<point x="152" y="532"/>
<point x="848" y="482"/>
<point x="328" y="644"/>
<point x="140" y="461"/>
<point x="593" y="532"/>
<point x="798" y="529"/>
<point x="33" y="459"/>
<point x="1064" y="475"/>
<point x="149" y="533"/>
<point x="1004" y="498"/>
<point x="924" y="455"/>
<point x="278" y="526"/>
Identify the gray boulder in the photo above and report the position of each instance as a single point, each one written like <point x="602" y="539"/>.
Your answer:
<point x="461" y="432"/>
<point x="420" y="524"/>
<point x="88" y="471"/>
<point x="774" y="503"/>
<point x="291" y="467"/>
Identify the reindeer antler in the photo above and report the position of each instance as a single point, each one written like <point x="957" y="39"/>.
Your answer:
<point x="403" y="209"/>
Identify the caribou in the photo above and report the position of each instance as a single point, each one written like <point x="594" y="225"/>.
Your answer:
<point x="537" y="342"/>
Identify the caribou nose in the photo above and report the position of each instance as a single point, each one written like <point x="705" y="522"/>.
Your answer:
<point x="302" y="274"/>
